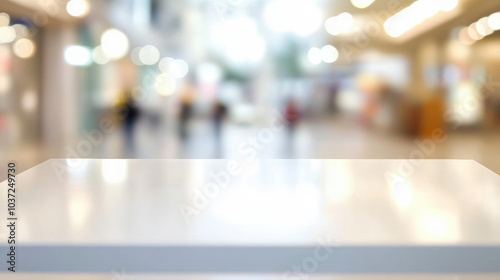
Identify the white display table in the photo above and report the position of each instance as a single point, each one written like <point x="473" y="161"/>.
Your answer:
<point x="258" y="216"/>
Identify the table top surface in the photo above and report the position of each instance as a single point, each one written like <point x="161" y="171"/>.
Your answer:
<point x="257" y="202"/>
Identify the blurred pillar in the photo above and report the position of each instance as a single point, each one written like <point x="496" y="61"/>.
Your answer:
<point x="59" y="87"/>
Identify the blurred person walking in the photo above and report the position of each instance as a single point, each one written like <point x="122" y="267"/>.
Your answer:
<point x="219" y="114"/>
<point x="292" y="115"/>
<point x="186" y="111"/>
<point x="131" y="116"/>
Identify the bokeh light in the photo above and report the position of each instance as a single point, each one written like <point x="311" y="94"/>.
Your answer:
<point x="209" y="73"/>
<point x="134" y="55"/>
<point x="24" y="48"/>
<point x="165" y="63"/>
<point x="343" y="23"/>
<point x="483" y="27"/>
<point x="494" y="21"/>
<point x="4" y="19"/>
<point x="149" y="55"/>
<point x="7" y="34"/>
<point x="464" y="37"/>
<point x="361" y="4"/>
<point x="329" y="54"/>
<point x="21" y="30"/>
<point x="78" y="55"/>
<point x="165" y="84"/>
<point x="415" y="14"/>
<point x="473" y="33"/>
<point x="314" y="55"/>
<point x="114" y="43"/>
<point x="178" y="69"/>
<point x="99" y="56"/>
<point x="78" y="8"/>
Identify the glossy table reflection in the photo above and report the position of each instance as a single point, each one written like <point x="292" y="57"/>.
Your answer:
<point x="324" y="216"/>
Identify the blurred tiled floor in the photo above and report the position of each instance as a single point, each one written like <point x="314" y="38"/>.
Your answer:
<point x="327" y="138"/>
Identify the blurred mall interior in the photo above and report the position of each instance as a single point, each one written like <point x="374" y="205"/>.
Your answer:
<point x="403" y="79"/>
